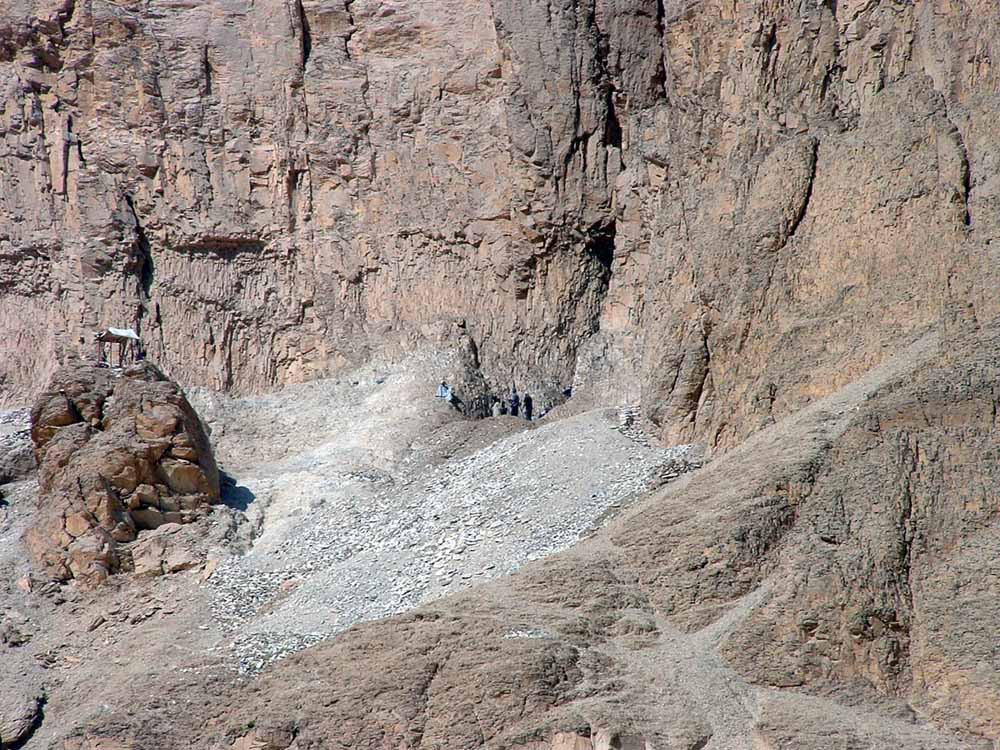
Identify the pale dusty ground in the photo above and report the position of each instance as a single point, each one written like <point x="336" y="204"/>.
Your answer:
<point x="372" y="497"/>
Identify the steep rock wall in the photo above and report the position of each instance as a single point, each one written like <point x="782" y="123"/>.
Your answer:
<point x="724" y="210"/>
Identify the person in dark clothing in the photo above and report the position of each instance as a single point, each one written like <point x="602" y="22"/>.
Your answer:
<point x="515" y="402"/>
<point x="528" y="405"/>
<point x="503" y="408"/>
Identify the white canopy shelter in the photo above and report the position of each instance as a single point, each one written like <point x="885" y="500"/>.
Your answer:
<point x="120" y="333"/>
<point x="128" y="342"/>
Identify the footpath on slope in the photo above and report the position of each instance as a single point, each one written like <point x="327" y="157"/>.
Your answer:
<point x="689" y="667"/>
<point x="371" y="498"/>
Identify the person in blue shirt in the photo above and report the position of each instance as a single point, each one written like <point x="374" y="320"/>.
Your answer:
<point x="446" y="393"/>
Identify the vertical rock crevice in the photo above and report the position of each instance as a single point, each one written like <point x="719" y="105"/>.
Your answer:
<point x="206" y="65"/>
<point x="145" y="268"/>
<point x="70" y="143"/>
<point x="966" y="175"/>
<point x="352" y="27"/>
<point x="803" y="207"/>
<point x="364" y="126"/>
<point x="612" y="125"/>
<point x="660" y="80"/>
<point x="601" y="247"/>
<point x="306" y="38"/>
<point x="600" y="251"/>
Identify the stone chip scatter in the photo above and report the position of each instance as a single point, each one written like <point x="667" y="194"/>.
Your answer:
<point x="357" y="542"/>
<point x="15" y="443"/>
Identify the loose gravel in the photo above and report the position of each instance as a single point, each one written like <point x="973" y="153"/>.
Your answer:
<point x="379" y="512"/>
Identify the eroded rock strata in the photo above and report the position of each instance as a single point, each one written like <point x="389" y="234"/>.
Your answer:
<point x="769" y="225"/>
<point x="724" y="209"/>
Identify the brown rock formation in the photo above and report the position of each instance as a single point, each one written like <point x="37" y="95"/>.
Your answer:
<point x="19" y="714"/>
<point x="736" y="207"/>
<point x="727" y="210"/>
<point x="771" y="600"/>
<point x="117" y="454"/>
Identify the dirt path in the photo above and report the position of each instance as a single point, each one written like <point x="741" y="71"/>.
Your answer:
<point x="687" y="667"/>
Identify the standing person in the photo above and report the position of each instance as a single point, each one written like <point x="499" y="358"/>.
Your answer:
<point x="515" y="402"/>
<point x="497" y="408"/>
<point x="528" y="405"/>
<point x="503" y="407"/>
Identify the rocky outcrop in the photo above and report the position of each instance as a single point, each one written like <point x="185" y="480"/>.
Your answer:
<point x="118" y="453"/>
<point x="885" y="575"/>
<point x="727" y="212"/>
<point x="17" y="458"/>
<point x="20" y="714"/>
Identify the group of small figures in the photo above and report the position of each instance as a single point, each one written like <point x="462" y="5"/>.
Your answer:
<point x="514" y="405"/>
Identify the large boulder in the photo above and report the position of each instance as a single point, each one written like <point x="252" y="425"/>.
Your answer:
<point x="118" y="452"/>
<point x="17" y="460"/>
<point x="20" y="714"/>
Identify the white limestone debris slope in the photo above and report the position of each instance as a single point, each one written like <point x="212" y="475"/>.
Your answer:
<point x="372" y="498"/>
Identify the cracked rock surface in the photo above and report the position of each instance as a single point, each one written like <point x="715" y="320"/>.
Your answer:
<point x="119" y="451"/>
<point x="719" y="210"/>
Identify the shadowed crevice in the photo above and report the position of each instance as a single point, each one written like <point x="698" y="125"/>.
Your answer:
<point x="36" y="724"/>
<point x="306" y="42"/>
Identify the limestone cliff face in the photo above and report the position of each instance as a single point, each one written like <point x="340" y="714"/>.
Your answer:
<point x="722" y="209"/>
